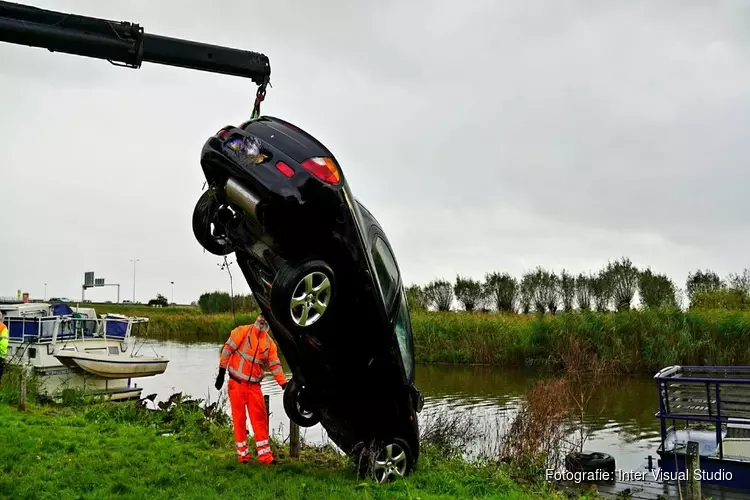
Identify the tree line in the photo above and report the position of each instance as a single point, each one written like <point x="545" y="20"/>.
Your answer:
<point x="612" y="288"/>
<point x="221" y="302"/>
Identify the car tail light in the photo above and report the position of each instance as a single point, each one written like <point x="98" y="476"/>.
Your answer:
<point x="284" y="168"/>
<point x="223" y="132"/>
<point x="323" y="168"/>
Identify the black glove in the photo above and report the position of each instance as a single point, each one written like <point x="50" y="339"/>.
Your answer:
<point x="220" y="379"/>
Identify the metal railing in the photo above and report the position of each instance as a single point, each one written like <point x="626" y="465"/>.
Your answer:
<point x="56" y="329"/>
<point x="716" y="395"/>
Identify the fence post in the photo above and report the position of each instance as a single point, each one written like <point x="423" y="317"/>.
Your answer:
<point x="266" y="399"/>
<point x="22" y="389"/>
<point x="692" y="464"/>
<point x="293" y="440"/>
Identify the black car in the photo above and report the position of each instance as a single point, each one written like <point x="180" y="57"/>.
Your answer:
<point x="323" y="273"/>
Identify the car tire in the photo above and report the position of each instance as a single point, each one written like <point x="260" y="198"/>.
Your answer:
<point x="294" y="410"/>
<point x="590" y="462"/>
<point x="204" y="215"/>
<point x="385" y="460"/>
<point x="302" y="289"/>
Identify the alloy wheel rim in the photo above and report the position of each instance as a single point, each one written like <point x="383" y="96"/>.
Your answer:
<point x="390" y="463"/>
<point x="310" y="299"/>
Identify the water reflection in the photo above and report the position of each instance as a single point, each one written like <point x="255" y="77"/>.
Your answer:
<point x="621" y="415"/>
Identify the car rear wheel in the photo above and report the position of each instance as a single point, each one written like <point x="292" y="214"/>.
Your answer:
<point x="294" y="407"/>
<point x="386" y="460"/>
<point x="302" y="295"/>
<point x="209" y="219"/>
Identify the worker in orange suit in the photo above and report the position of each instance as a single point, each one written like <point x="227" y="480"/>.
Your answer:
<point x="246" y="354"/>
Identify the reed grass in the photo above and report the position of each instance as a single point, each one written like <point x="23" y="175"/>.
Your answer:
<point x="636" y="341"/>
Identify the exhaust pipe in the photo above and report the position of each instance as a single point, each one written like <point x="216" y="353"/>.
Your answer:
<point x="243" y="198"/>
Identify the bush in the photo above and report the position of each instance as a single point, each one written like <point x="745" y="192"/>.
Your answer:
<point x="733" y="299"/>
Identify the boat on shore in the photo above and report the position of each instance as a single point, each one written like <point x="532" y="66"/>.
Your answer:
<point x="74" y="348"/>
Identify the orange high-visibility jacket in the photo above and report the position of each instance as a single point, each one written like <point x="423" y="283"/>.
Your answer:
<point x="247" y="352"/>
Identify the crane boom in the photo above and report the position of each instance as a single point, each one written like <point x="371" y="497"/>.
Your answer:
<point x="123" y="42"/>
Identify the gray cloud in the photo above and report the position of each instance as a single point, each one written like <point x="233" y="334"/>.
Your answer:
<point x="484" y="136"/>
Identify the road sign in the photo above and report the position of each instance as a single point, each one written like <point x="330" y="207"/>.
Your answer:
<point x="88" y="279"/>
<point x="99" y="282"/>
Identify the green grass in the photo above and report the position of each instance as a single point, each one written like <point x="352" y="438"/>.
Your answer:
<point x="108" y="450"/>
<point x="633" y="341"/>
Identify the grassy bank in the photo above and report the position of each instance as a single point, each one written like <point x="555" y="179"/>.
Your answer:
<point x="632" y="341"/>
<point x="104" y="450"/>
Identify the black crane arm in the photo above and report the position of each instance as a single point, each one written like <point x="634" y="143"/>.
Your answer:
<point x="123" y="42"/>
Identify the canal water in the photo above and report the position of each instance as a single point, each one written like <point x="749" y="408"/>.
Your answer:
<point x="620" y="418"/>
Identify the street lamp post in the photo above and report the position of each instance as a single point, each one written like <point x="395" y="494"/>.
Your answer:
<point x="172" y="291"/>
<point x="45" y="292"/>
<point x="134" y="261"/>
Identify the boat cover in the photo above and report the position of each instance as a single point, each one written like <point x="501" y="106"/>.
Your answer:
<point x="61" y="309"/>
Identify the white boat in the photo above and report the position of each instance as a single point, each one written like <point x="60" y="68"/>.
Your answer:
<point x="112" y="365"/>
<point x="39" y="332"/>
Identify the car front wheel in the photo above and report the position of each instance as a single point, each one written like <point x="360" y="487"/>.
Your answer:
<point x="386" y="460"/>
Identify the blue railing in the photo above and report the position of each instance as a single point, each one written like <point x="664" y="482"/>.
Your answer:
<point x="707" y="394"/>
<point x="43" y="329"/>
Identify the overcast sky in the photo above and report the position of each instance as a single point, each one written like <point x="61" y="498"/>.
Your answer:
<point x="485" y="135"/>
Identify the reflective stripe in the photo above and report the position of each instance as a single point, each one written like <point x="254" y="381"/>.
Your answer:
<point x="226" y="352"/>
<point x="243" y="453"/>
<point x="264" y="451"/>
<point x="274" y="363"/>
<point x="231" y="343"/>
<point x="256" y="379"/>
<point x="234" y="373"/>
<point x="241" y="445"/>
<point x="277" y="370"/>
<point x="261" y="443"/>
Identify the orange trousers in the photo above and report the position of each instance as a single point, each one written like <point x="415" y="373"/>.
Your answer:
<point x="248" y="397"/>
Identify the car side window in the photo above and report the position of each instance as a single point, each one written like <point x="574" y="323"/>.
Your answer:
<point x="404" y="337"/>
<point x="385" y="266"/>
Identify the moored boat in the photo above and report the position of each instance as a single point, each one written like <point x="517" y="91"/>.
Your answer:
<point x="113" y="365"/>
<point x="40" y="331"/>
<point x="713" y="404"/>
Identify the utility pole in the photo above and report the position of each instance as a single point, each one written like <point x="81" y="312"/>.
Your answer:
<point x="45" y="292"/>
<point x="134" y="261"/>
<point x="172" y="291"/>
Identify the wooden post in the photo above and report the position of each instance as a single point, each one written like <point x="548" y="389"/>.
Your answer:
<point x="692" y="464"/>
<point x="293" y="440"/>
<point x="266" y="399"/>
<point x="22" y="389"/>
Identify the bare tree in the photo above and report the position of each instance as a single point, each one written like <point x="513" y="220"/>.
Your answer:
<point x="702" y="281"/>
<point x="526" y="293"/>
<point x="567" y="290"/>
<point x="583" y="291"/>
<point x="469" y="293"/>
<point x="740" y="281"/>
<point x="622" y="277"/>
<point x="440" y="294"/>
<point x="501" y="290"/>
<point x="601" y="290"/>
